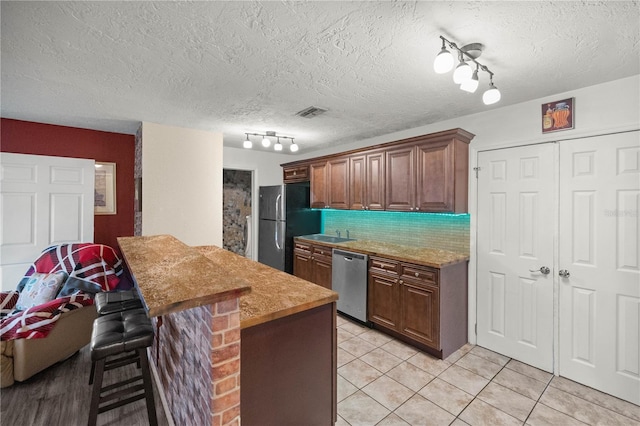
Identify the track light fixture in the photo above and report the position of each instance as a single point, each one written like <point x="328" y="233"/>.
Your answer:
<point x="266" y="142"/>
<point x="464" y="74"/>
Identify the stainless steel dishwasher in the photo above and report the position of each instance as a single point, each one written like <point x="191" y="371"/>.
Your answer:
<point x="349" y="280"/>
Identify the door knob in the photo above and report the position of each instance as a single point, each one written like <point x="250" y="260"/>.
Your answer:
<point x="564" y="273"/>
<point x="543" y="270"/>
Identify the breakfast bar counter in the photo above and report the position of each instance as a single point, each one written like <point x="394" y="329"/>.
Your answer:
<point x="236" y="340"/>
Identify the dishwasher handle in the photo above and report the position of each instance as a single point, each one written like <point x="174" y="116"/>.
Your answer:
<point x="349" y="256"/>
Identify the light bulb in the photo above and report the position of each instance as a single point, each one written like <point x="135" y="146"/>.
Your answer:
<point x="266" y="142"/>
<point x="293" y="147"/>
<point x="443" y="62"/>
<point x="463" y="72"/>
<point x="470" y="85"/>
<point x="247" y="143"/>
<point x="278" y="146"/>
<point x="491" y="96"/>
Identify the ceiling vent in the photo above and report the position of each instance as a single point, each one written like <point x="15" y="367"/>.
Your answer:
<point x="311" y="112"/>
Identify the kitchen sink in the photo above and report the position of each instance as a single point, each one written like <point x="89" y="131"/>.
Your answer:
<point x="326" y="238"/>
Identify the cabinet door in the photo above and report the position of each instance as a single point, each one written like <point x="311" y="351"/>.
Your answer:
<point x="322" y="272"/>
<point x="400" y="179"/>
<point x="318" y="184"/>
<point x="295" y="174"/>
<point x="357" y="182"/>
<point x="375" y="181"/>
<point x="420" y="313"/>
<point x="384" y="300"/>
<point x="338" y="188"/>
<point x="302" y="267"/>
<point x="435" y="171"/>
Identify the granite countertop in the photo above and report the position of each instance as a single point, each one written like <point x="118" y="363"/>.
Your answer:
<point x="421" y="256"/>
<point x="172" y="276"/>
<point x="274" y="294"/>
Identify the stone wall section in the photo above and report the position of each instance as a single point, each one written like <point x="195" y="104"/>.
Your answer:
<point x="236" y="207"/>
<point x="198" y="362"/>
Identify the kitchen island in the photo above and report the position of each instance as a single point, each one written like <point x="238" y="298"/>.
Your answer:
<point x="236" y="340"/>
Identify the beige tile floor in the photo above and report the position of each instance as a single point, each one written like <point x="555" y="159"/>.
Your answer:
<point x="382" y="381"/>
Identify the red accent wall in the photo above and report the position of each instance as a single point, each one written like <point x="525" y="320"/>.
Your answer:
<point x="25" y="137"/>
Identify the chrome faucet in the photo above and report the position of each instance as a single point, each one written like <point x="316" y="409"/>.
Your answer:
<point x="338" y="232"/>
<point x="347" y="233"/>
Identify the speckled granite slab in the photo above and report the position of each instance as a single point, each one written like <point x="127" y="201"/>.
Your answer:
<point x="274" y="294"/>
<point x="420" y="256"/>
<point x="173" y="277"/>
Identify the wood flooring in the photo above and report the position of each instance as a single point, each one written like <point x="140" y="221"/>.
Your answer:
<point x="61" y="395"/>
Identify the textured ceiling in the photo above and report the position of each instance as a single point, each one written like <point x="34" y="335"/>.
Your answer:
<point x="237" y="67"/>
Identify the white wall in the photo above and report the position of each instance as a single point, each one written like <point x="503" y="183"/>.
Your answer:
<point x="182" y="184"/>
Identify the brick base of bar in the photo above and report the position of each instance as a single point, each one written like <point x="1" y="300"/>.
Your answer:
<point x="197" y="355"/>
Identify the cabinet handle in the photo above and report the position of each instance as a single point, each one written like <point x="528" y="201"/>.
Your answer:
<point x="417" y="274"/>
<point x="417" y="208"/>
<point x="311" y="257"/>
<point x="400" y="282"/>
<point x="412" y="209"/>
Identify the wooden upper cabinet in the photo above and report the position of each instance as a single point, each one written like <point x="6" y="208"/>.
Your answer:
<point x="400" y="179"/>
<point x="293" y="174"/>
<point x="442" y="176"/>
<point x="356" y="182"/>
<point x="319" y="192"/>
<point x="366" y="181"/>
<point x="338" y="185"/>
<point x="375" y="181"/>
<point x="424" y="174"/>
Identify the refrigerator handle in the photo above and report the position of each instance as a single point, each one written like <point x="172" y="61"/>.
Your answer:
<point x="276" y="237"/>
<point x="278" y="198"/>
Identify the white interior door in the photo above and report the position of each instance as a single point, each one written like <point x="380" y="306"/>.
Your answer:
<point x="44" y="201"/>
<point x="516" y="208"/>
<point x="599" y="302"/>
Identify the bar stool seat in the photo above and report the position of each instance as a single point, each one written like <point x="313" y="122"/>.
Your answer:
<point x="128" y="334"/>
<point x="108" y="302"/>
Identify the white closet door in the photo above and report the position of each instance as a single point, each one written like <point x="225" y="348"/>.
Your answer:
<point x="599" y="304"/>
<point x="44" y="201"/>
<point x="516" y="206"/>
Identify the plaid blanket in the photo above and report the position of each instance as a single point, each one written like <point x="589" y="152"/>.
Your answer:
<point x="36" y="322"/>
<point x="90" y="262"/>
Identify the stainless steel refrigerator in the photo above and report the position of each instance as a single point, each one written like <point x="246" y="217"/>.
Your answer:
<point x="284" y="213"/>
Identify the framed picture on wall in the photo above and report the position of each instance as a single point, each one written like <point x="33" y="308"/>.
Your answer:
<point x="558" y="115"/>
<point x="104" y="201"/>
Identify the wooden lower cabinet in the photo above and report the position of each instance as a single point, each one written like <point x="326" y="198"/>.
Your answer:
<point x="420" y="312"/>
<point x="313" y="263"/>
<point x="424" y="306"/>
<point x="383" y="299"/>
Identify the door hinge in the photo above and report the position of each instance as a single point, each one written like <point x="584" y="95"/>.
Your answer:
<point x="477" y="169"/>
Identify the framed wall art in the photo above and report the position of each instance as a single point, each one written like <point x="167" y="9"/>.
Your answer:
<point x="558" y="115"/>
<point x="104" y="201"/>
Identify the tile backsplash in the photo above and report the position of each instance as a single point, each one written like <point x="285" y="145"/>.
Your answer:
<point x="431" y="230"/>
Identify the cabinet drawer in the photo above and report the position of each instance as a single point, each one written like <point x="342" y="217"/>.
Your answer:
<point x="383" y="264"/>
<point x="302" y="248"/>
<point x="420" y="274"/>
<point x="296" y="174"/>
<point x="322" y="251"/>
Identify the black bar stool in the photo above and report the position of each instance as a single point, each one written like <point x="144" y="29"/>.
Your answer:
<point x="124" y="335"/>
<point x="108" y="302"/>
